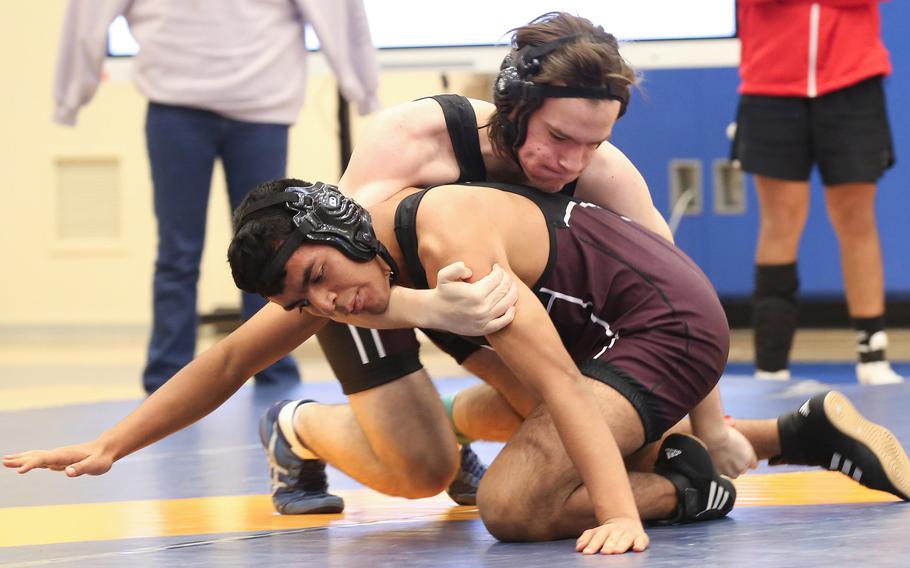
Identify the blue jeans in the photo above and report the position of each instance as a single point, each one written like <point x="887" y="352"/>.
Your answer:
<point x="183" y="144"/>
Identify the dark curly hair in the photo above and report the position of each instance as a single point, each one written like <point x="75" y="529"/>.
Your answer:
<point x="254" y="243"/>
<point x="592" y="60"/>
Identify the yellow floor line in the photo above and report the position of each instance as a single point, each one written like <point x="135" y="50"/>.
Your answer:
<point x="804" y="488"/>
<point x="24" y="526"/>
<point x="52" y="524"/>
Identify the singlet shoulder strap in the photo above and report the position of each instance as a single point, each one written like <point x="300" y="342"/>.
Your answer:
<point x="555" y="208"/>
<point x="406" y="233"/>
<point x="461" y="122"/>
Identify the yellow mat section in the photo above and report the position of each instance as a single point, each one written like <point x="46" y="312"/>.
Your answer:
<point x="24" y="526"/>
<point x="804" y="488"/>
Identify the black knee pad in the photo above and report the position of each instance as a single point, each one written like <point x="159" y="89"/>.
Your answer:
<point x="775" y="314"/>
<point x="778" y="281"/>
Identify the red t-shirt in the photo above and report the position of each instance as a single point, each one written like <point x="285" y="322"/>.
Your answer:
<point x="799" y="48"/>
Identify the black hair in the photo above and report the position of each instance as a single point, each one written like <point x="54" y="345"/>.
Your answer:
<point x="255" y="241"/>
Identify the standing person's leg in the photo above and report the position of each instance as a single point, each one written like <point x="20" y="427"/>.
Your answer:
<point x="784" y="207"/>
<point x="773" y="142"/>
<point x="251" y="154"/>
<point x="181" y="148"/>
<point x="851" y="208"/>
<point x="854" y="149"/>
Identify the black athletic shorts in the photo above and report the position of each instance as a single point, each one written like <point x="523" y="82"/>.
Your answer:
<point x="845" y="132"/>
<point x="363" y="359"/>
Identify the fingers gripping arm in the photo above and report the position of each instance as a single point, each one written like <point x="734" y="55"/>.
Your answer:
<point x="454" y="305"/>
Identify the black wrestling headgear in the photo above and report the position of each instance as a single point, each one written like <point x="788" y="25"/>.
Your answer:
<point x="515" y="85"/>
<point x="322" y="214"/>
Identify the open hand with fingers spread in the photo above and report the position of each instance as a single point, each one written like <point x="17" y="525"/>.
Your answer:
<point x="473" y="309"/>
<point x="616" y="536"/>
<point x="75" y="460"/>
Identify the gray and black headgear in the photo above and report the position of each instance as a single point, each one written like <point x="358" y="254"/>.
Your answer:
<point x="321" y="214"/>
<point x="515" y="85"/>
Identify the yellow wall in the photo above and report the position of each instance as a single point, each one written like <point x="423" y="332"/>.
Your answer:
<point x="47" y="283"/>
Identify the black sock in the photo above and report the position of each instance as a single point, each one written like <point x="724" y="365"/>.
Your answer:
<point x="865" y="329"/>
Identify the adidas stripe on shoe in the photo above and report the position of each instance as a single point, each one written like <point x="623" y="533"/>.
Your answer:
<point x="827" y="431"/>
<point x="703" y="494"/>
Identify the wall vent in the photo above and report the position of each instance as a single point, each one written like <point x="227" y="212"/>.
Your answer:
<point x="88" y="201"/>
<point x="686" y="196"/>
<point x="729" y="188"/>
<point x="686" y="186"/>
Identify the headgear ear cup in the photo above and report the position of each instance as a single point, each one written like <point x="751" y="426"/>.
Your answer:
<point x="527" y="66"/>
<point x="322" y="214"/>
<point x="507" y="92"/>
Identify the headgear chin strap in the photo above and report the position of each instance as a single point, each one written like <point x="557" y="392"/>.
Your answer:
<point x="322" y="214"/>
<point x="515" y="85"/>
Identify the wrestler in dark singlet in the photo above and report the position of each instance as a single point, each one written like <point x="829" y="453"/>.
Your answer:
<point x="632" y="310"/>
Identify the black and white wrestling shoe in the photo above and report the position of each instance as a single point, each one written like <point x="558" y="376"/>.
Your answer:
<point x="827" y="431"/>
<point x="703" y="494"/>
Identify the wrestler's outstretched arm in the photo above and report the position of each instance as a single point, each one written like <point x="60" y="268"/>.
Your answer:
<point x="195" y="391"/>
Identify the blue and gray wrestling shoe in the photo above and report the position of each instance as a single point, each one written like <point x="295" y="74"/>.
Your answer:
<point x="463" y="489"/>
<point x="299" y="486"/>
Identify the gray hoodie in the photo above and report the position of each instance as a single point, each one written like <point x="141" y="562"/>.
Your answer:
<point x="243" y="59"/>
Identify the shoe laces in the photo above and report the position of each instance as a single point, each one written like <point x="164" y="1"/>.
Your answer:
<point x="311" y="476"/>
<point x="471" y="464"/>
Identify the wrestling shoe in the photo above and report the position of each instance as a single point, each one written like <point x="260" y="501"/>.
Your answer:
<point x="299" y="486"/>
<point x="463" y="489"/>
<point x="703" y="493"/>
<point x="877" y="373"/>
<point x="782" y="375"/>
<point x="827" y="431"/>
